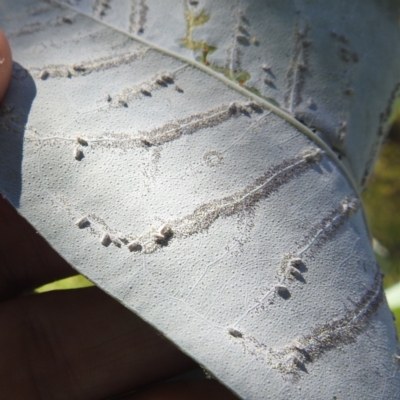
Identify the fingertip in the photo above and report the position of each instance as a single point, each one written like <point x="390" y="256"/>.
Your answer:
<point x="5" y="64"/>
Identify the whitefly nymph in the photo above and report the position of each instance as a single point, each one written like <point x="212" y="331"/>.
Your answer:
<point x="82" y="222"/>
<point x="312" y="155"/>
<point x="164" y="233"/>
<point x="235" y="333"/>
<point x="134" y="246"/>
<point x="82" y="141"/>
<point x="281" y="289"/>
<point x="105" y="239"/>
<point x="78" y="154"/>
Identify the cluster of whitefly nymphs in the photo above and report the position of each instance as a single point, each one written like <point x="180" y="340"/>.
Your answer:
<point x="159" y="236"/>
<point x="236" y="107"/>
<point x="268" y="79"/>
<point x="85" y="68"/>
<point x="292" y="268"/>
<point x="292" y="359"/>
<point x="293" y="265"/>
<point x="245" y="199"/>
<point x="173" y="130"/>
<point x="158" y="82"/>
<point x="203" y="216"/>
<point x="78" y="150"/>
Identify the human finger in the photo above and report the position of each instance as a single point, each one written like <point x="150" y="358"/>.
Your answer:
<point x="80" y="344"/>
<point x="5" y="64"/>
<point x="26" y="259"/>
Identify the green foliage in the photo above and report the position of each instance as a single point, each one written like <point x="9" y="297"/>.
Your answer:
<point x="73" y="282"/>
<point x="382" y="203"/>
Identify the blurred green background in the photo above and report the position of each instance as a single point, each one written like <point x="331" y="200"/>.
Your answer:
<point x="382" y="204"/>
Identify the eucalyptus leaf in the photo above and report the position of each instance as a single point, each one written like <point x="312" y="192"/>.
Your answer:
<point x="201" y="162"/>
